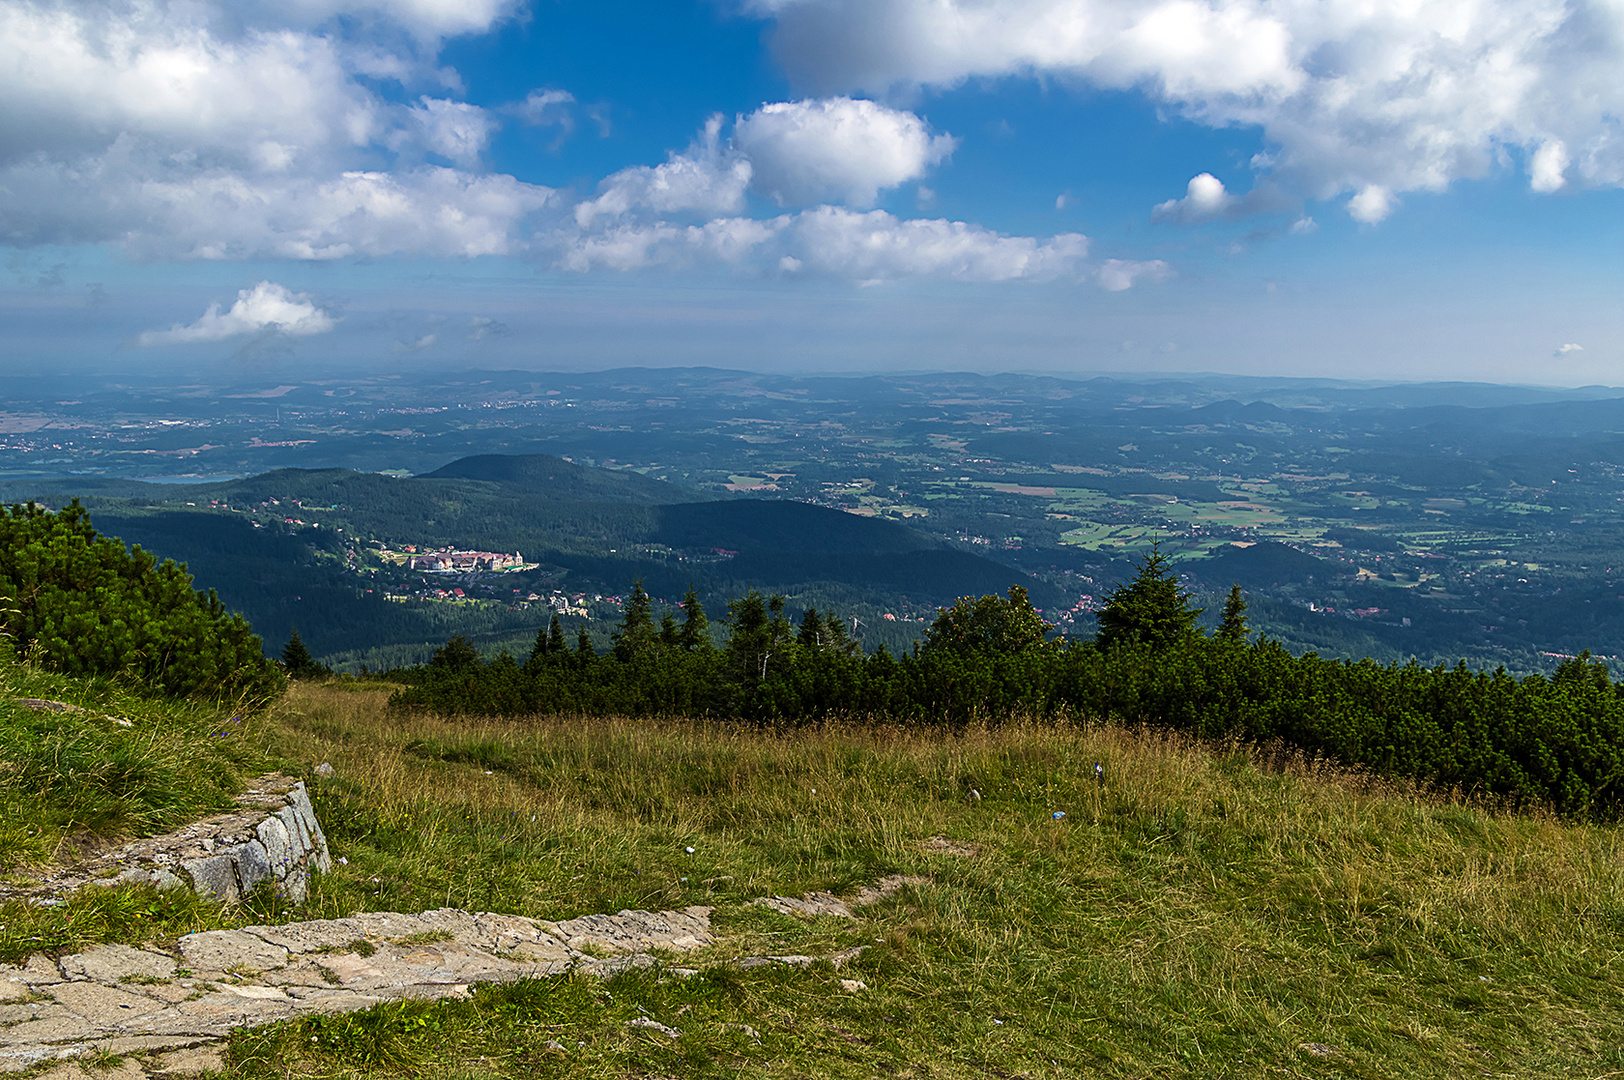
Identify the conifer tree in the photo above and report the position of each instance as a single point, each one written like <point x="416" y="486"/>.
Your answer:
<point x="539" y="652"/>
<point x="811" y="635"/>
<point x="84" y="604"/>
<point x="1232" y="625"/>
<point x="757" y="632"/>
<point x="297" y="660"/>
<point x="555" y="637"/>
<point x="456" y="655"/>
<point x="1150" y="610"/>
<point x="695" y="634"/>
<point x="636" y="631"/>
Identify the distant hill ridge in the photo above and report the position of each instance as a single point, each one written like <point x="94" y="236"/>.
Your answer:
<point x="554" y="476"/>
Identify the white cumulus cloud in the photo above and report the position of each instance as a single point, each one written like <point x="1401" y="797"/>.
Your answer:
<point x="267" y="307"/>
<point x="1372" y="204"/>
<point x="879" y="245"/>
<point x="428" y="19"/>
<point x="708" y="178"/>
<point x="839" y="149"/>
<point x="1204" y="199"/>
<point x="839" y="242"/>
<point x="1568" y="349"/>
<point x="1364" y="100"/>
<point x="214" y="130"/>
<point x="1547" y="167"/>
<point x="453" y="129"/>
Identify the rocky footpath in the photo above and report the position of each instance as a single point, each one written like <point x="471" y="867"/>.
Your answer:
<point x="168" y="1010"/>
<point x="146" y="1002"/>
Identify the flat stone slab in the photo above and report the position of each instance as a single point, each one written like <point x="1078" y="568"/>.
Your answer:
<point x="115" y="963"/>
<point x="826" y="903"/>
<point x="145" y="1002"/>
<point x="135" y="1000"/>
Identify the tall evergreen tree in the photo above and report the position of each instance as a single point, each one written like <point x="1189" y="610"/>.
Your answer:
<point x="456" y="655"/>
<point x="811" y="635"/>
<point x="695" y="634"/>
<point x="636" y="631"/>
<point x="1151" y="610"/>
<point x="757" y="632"/>
<point x="297" y="660"/>
<point x="1232" y="625"/>
<point x="555" y="637"/>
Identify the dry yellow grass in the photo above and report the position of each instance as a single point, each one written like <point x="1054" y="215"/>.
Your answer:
<point x="1206" y="911"/>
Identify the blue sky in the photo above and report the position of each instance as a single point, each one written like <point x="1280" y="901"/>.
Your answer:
<point x="1420" y="190"/>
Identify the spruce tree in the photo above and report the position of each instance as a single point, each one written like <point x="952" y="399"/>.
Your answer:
<point x="1151" y="610"/>
<point x="695" y="634"/>
<point x="757" y="632"/>
<point x="456" y="655"/>
<point x="297" y="660"/>
<point x="539" y="652"/>
<point x="555" y="637"/>
<point x="1232" y="625"/>
<point x="811" y="636"/>
<point x="636" y="631"/>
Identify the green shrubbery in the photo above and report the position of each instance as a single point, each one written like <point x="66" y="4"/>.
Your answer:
<point x="82" y="604"/>
<point x="1555" y="741"/>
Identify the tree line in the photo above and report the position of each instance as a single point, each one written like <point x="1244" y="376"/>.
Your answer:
<point x="1556" y="741"/>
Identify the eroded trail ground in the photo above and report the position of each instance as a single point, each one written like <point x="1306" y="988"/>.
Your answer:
<point x="166" y="1011"/>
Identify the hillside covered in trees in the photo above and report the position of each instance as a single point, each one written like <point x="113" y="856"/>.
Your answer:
<point x="305" y="548"/>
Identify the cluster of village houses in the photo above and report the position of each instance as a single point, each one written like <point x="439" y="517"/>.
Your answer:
<point x="449" y="561"/>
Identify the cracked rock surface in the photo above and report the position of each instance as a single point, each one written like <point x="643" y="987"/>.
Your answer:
<point x="144" y="1002"/>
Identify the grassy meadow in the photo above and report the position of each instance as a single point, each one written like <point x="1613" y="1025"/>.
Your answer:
<point x="1204" y="912"/>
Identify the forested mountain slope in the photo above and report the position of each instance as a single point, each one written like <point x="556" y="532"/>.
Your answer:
<point x="311" y="548"/>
